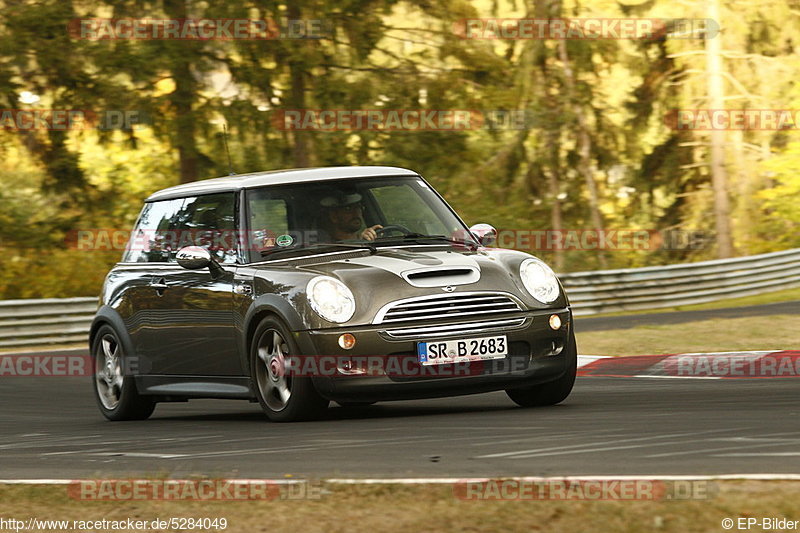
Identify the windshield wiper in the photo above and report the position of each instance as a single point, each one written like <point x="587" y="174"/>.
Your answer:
<point x="320" y="247"/>
<point x="419" y="238"/>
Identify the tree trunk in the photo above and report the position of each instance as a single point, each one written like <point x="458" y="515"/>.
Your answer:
<point x="301" y="149"/>
<point x="182" y="99"/>
<point x="584" y="148"/>
<point x="551" y="155"/>
<point x="556" y="216"/>
<point x="743" y="213"/>
<point x="719" y="178"/>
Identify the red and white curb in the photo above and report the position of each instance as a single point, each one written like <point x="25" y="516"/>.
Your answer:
<point x="715" y="365"/>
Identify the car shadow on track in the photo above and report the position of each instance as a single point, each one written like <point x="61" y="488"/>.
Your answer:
<point x="386" y="410"/>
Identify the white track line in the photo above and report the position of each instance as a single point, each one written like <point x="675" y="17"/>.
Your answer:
<point x="586" y="359"/>
<point x="451" y="480"/>
<point x="424" y="481"/>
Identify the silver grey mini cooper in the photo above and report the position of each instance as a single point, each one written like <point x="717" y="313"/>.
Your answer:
<point x="301" y="287"/>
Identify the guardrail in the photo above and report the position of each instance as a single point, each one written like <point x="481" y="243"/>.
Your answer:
<point x="633" y="289"/>
<point x="49" y="321"/>
<point x="66" y="320"/>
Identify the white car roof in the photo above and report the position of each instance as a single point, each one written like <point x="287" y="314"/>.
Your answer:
<point x="276" y="177"/>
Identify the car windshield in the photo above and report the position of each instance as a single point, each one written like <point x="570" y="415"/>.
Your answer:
<point x="353" y="213"/>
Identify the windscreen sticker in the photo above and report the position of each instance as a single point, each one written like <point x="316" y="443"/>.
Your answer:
<point x="284" y="240"/>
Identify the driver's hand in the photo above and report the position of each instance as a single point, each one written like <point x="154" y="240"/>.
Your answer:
<point x="370" y="234"/>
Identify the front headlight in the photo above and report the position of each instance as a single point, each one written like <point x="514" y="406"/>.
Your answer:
<point x="331" y="299"/>
<point x="540" y="280"/>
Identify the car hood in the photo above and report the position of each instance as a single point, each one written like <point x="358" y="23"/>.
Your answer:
<point x="396" y="273"/>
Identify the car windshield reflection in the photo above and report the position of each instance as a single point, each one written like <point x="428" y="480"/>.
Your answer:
<point x="353" y="213"/>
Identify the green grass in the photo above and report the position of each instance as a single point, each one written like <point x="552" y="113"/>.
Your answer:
<point x="787" y="295"/>
<point x="772" y="332"/>
<point x="427" y="508"/>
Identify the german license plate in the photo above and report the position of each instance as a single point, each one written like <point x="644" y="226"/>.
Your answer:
<point x="461" y="350"/>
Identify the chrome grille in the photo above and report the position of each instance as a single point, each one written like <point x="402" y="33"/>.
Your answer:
<point x="468" y="304"/>
<point x="466" y="328"/>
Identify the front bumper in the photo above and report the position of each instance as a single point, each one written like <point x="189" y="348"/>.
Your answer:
<point x="537" y="354"/>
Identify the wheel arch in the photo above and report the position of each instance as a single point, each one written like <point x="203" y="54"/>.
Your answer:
<point x="273" y="305"/>
<point x="108" y="316"/>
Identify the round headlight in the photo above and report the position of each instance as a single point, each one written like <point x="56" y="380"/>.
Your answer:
<point x="540" y="280"/>
<point x="331" y="299"/>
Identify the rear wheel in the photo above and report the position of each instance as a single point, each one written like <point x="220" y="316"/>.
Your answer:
<point x="283" y="397"/>
<point x="115" y="390"/>
<point x="552" y="392"/>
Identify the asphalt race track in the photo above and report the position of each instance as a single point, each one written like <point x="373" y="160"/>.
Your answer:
<point x="52" y="429"/>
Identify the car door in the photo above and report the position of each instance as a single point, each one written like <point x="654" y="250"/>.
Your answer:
<point x="191" y="329"/>
<point x="146" y="267"/>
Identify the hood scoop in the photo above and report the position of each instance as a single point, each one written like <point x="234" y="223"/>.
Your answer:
<point x="441" y="276"/>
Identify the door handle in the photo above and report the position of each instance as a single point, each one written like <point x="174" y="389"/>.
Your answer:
<point x="245" y="289"/>
<point x="159" y="285"/>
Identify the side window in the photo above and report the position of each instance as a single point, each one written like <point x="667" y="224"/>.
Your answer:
<point x="270" y="215"/>
<point x="400" y="204"/>
<point x="208" y="221"/>
<point x="150" y="241"/>
<point x="269" y="218"/>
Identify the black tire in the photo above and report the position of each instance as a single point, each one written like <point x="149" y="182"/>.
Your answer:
<point x="552" y="392"/>
<point x="302" y="402"/>
<point x="114" y="388"/>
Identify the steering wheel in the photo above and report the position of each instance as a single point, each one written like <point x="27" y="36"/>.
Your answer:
<point x="382" y="232"/>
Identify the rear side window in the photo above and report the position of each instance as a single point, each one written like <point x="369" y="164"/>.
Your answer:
<point x="208" y="221"/>
<point x="167" y="226"/>
<point x="149" y="242"/>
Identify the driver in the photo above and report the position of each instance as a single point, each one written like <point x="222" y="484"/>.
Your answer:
<point x="342" y="218"/>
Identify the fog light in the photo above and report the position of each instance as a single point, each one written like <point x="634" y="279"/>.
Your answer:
<point x="347" y="341"/>
<point x="555" y="348"/>
<point x="349" y="368"/>
<point x="555" y="323"/>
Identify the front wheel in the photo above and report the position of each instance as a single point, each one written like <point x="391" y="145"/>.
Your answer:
<point x="283" y="397"/>
<point x="115" y="390"/>
<point x="552" y="392"/>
